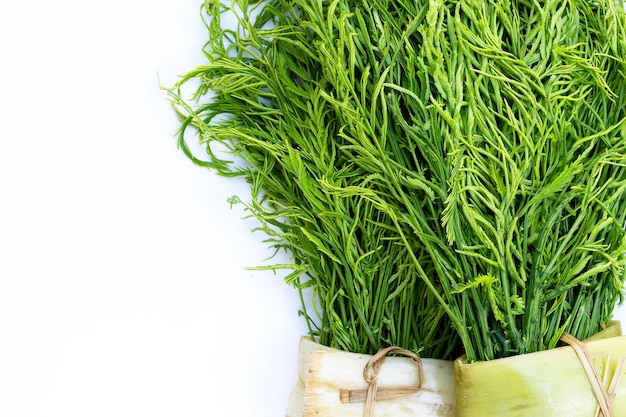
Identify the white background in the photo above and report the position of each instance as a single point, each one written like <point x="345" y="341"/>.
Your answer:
<point x="123" y="288"/>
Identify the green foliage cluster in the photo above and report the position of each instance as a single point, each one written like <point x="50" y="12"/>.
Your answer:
<point x="448" y="175"/>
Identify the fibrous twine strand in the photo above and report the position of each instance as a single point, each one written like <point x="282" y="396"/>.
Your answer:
<point x="603" y="397"/>
<point x="619" y="370"/>
<point x="370" y="375"/>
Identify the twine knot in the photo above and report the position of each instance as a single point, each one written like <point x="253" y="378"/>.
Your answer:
<point x="370" y="375"/>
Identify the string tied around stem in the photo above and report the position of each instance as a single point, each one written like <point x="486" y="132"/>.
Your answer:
<point x="604" y="396"/>
<point x="370" y="375"/>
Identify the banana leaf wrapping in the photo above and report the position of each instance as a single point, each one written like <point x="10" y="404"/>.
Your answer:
<point x="549" y="383"/>
<point x="328" y="378"/>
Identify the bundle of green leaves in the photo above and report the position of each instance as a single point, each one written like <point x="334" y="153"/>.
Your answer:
<point x="448" y="176"/>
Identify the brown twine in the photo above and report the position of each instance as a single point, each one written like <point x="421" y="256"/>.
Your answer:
<point x="619" y="370"/>
<point x="604" y="397"/>
<point x="370" y="375"/>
